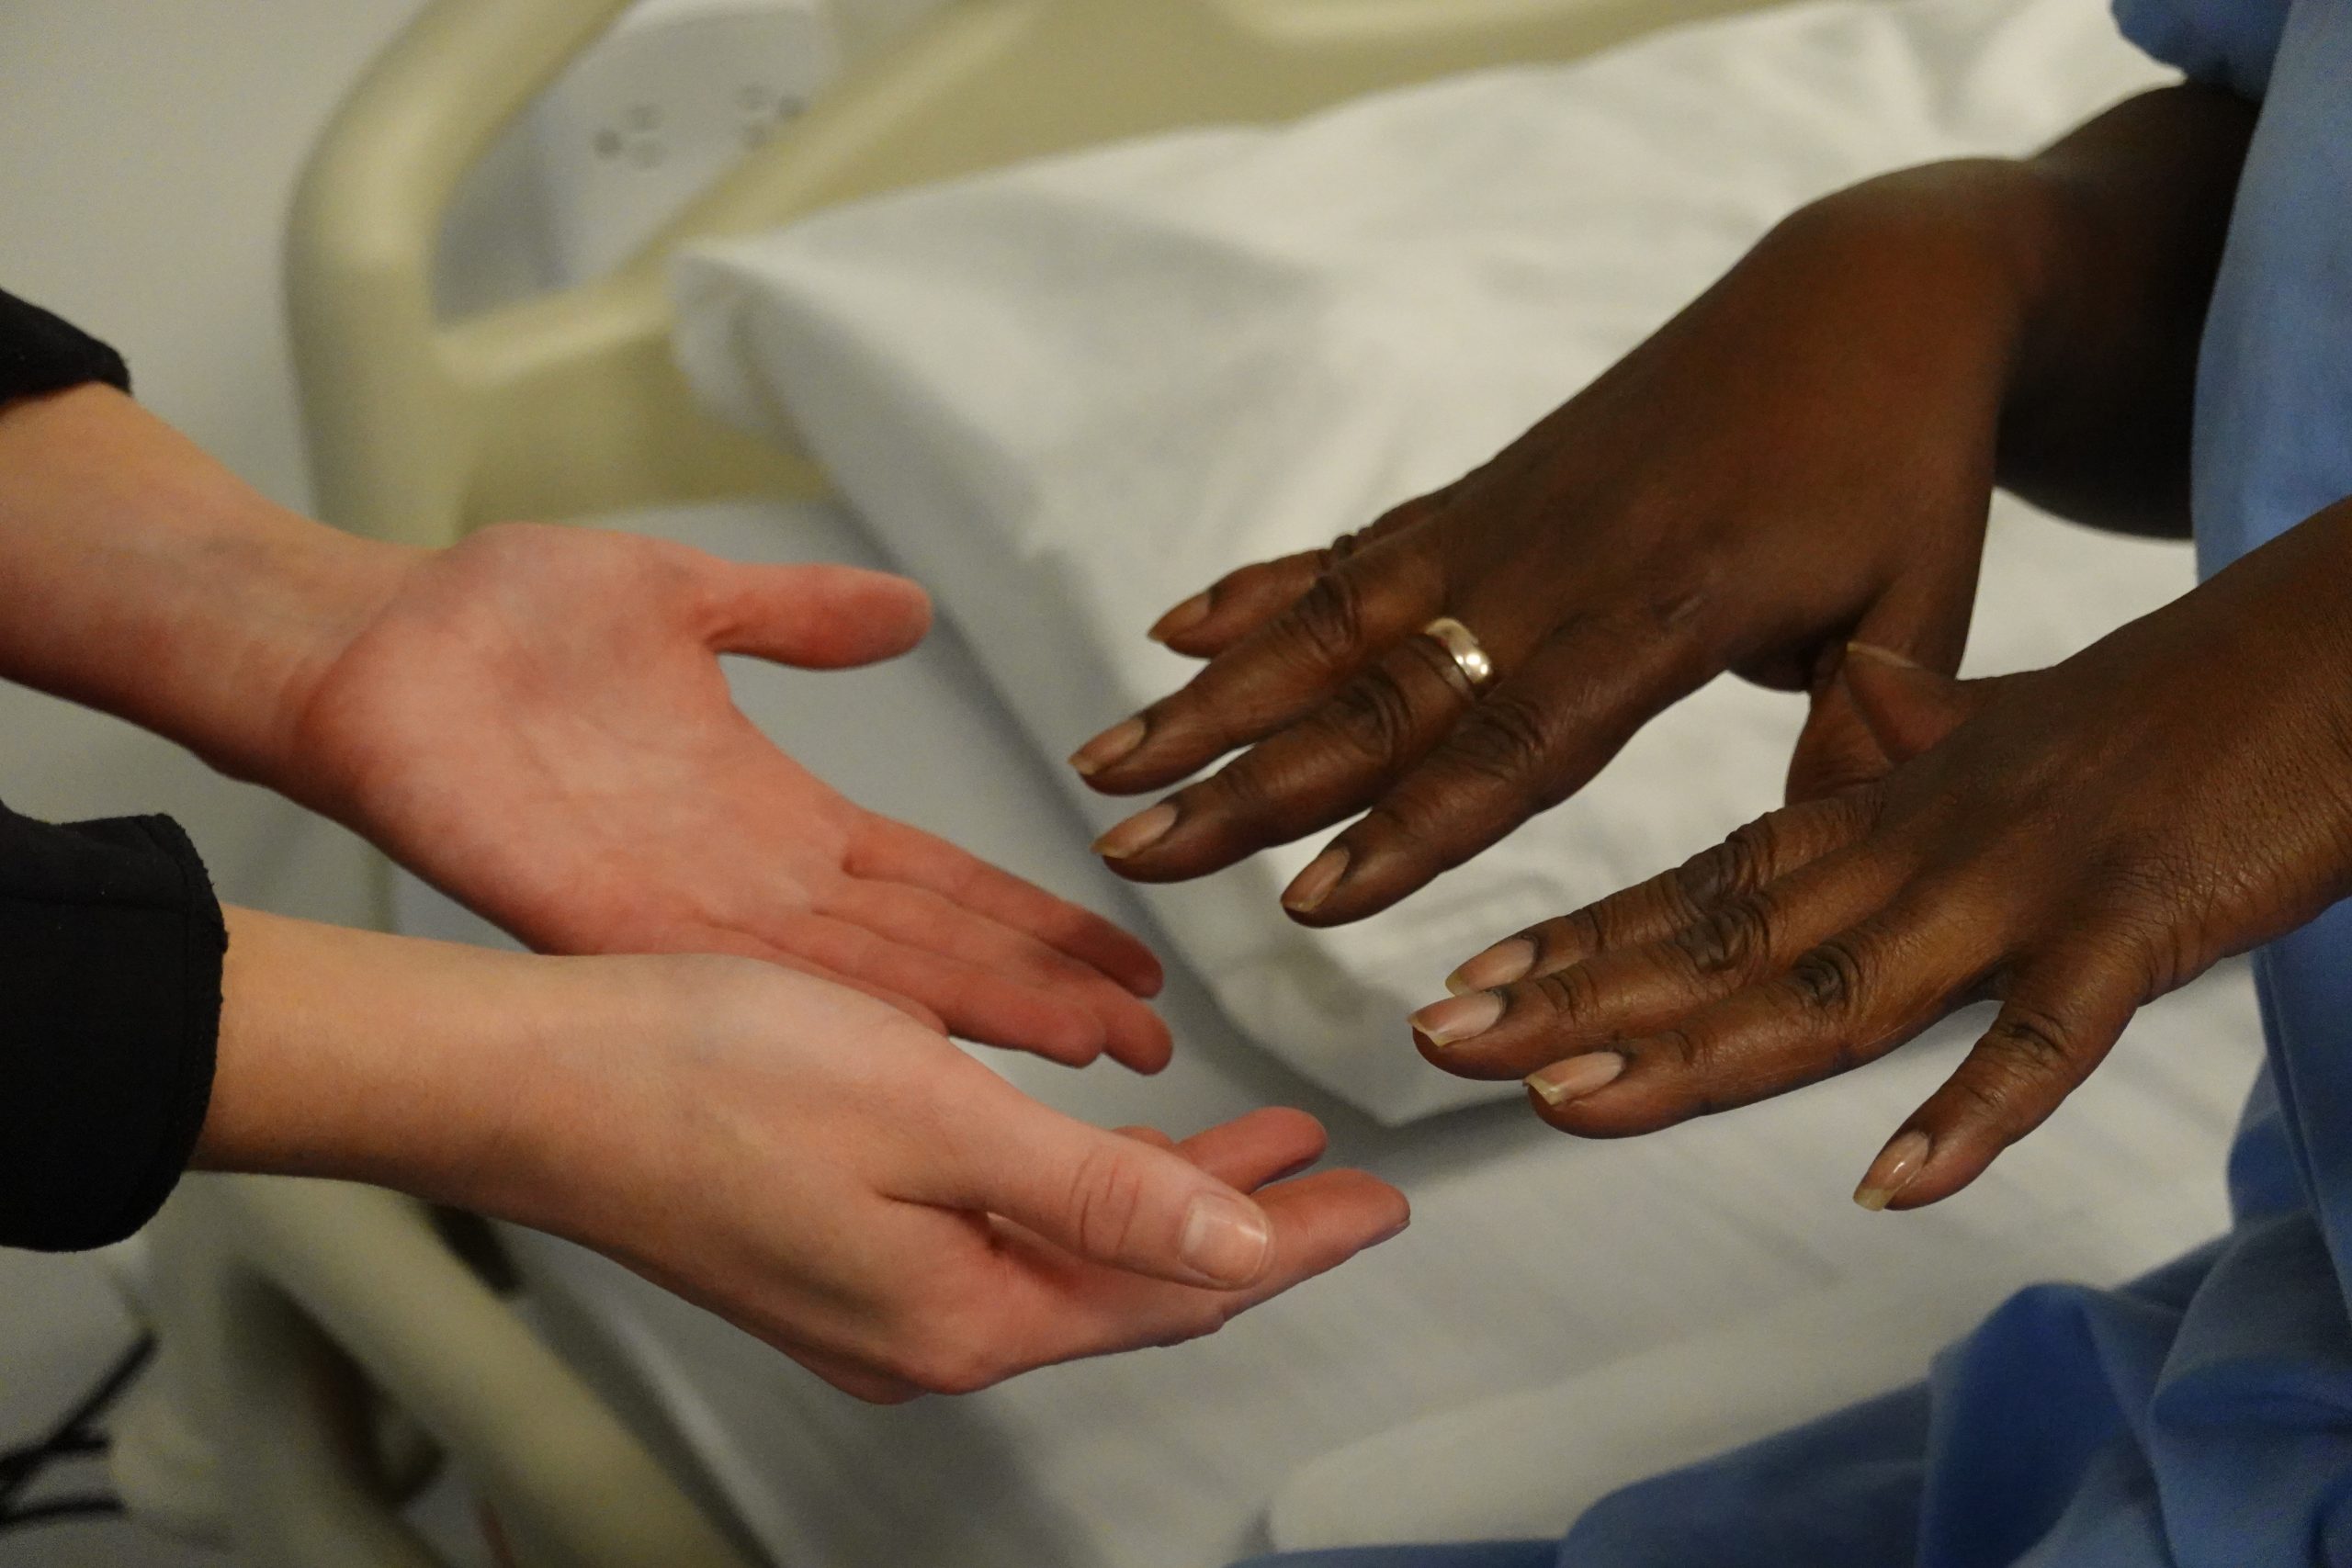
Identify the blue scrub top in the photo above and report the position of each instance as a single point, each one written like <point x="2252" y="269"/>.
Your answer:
<point x="2202" y="1417"/>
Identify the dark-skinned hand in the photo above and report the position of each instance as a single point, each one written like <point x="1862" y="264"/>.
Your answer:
<point x="1804" y="456"/>
<point x="2073" y="842"/>
<point x="1801" y="458"/>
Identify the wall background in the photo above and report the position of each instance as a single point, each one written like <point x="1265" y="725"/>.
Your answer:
<point x="151" y="151"/>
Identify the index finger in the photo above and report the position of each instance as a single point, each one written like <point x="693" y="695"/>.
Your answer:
<point x="893" y="852"/>
<point x="1277" y="673"/>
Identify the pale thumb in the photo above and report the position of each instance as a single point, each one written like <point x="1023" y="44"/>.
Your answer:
<point x="817" y="617"/>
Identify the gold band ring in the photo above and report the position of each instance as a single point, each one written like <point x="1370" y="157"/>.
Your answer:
<point x="1461" y="645"/>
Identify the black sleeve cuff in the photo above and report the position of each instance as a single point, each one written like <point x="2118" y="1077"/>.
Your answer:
<point x="41" y="353"/>
<point x="111" y="944"/>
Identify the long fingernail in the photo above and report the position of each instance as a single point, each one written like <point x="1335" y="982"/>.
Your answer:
<point x="1878" y="655"/>
<point x="1461" y="1018"/>
<point x="1107" y="748"/>
<point x="1137" y="833"/>
<point x="1897" y="1165"/>
<point x="1180" y="619"/>
<point x="1505" y="963"/>
<point x="1576" y="1076"/>
<point x="1310" y="887"/>
<point x="1226" y="1239"/>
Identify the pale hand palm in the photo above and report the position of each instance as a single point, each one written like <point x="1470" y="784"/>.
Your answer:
<point x="536" y="721"/>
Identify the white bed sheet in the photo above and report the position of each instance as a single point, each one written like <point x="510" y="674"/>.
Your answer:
<point x="1067" y="394"/>
<point x="1532" y="1256"/>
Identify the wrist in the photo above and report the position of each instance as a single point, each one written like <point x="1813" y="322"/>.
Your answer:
<point x="173" y="594"/>
<point x="428" y="1068"/>
<point x="1953" y="260"/>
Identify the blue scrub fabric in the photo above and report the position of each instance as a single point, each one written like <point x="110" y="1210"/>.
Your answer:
<point x="2201" y="1417"/>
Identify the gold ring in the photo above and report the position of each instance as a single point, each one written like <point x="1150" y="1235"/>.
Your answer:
<point x="1461" y="645"/>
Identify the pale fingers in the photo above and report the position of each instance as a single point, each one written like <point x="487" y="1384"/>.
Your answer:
<point x="1054" y="1308"/>
<point x="722" y="939"/>
<point x="893" y="852"/>
<point x="928" y="922"/>
<point x="974" y="1003"/>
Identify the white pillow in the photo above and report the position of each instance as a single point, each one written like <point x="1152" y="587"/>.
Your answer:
<point x="1067" y="394"/>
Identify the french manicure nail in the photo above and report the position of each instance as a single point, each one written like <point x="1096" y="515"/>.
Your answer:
<point x="1111" y="746"/>
<point x="1310" y="887"/>
<point x="1897" y="1165"/>
<point x="1504" y="964"/>
<point x="1458" y="1019"/>
<point x="1576" y="1076"/>
<point x="1137" y="833"/>
<point x="1226" y="1239"/>
<point x="1180" y="619"/>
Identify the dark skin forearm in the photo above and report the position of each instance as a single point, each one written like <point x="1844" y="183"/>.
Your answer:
<point x="2133" y="209"/>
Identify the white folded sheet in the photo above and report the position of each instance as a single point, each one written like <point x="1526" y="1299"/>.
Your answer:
<point x="1068" y="394"/>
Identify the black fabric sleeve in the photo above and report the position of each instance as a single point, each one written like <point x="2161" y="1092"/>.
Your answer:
<point x="110" y="951"/>
<point x="39" y="352"/>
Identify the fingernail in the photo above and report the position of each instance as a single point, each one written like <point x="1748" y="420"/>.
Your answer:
<point x="1504" y="964"/>
<point x="1107" y="748"/>
<point x="1180" y="619"/>
<point x="1896" y="1167"/>
<point x="1576" y="1076"/>
<point x="1310" y="887"/>
<point x="1872" y="651"/>
<point x="1459" y="1018"/>
<point x="1226" y="1239"/>
<point x="1137" y="833"/>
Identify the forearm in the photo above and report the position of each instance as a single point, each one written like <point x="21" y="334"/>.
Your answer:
<point x="433" y="1068"/>
<point x="153" y="583"/>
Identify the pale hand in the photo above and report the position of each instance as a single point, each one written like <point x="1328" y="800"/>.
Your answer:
<point x="536" y="722"/>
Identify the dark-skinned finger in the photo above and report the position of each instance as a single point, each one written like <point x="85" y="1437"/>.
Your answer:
<point x="1237" y="604"/>
<point x="1750" y="859"/>
<point x="1240" y="602"/>
<point x="1536" y="738"/>
<point x="1628" y="992"/>
<point x="1322" y="769"/>
<point x="1847" y="1001"/>
<point x="2060" y="1018"/>
<point x="1275" y="676"/>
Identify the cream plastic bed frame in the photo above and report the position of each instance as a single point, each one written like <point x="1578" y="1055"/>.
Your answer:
<point x="289" y="1307"/>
